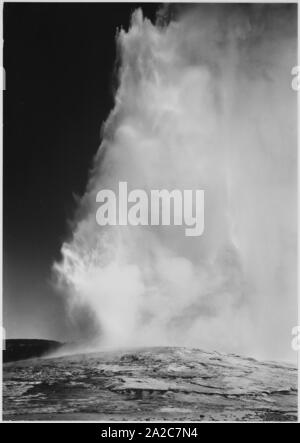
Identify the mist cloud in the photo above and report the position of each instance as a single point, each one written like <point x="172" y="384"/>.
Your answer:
<point x="204" y="102"/>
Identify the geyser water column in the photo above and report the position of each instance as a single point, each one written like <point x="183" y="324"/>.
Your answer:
<point x="204" y="102"/>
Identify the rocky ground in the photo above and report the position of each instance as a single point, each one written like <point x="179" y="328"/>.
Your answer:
<point x="150" y="384"/>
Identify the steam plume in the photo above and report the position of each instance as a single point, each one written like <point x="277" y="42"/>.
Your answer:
<point x="204" y="102"/>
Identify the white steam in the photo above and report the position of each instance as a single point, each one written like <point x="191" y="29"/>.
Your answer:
<point x="204" y="102"/>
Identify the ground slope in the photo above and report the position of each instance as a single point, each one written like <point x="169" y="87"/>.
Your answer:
<point x="150" y="384"/>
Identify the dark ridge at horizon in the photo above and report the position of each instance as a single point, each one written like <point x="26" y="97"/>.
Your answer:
<point x="25" y="348"/>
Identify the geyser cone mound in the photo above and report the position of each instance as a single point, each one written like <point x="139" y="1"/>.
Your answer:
<point x="150" y="384"/>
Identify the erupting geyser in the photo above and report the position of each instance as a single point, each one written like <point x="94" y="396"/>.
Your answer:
<point x="204" y="102"/>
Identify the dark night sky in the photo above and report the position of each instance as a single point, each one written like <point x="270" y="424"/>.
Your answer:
<point x="59" y="62"/>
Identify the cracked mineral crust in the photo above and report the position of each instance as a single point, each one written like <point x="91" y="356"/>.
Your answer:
<point x="174" y="384"/>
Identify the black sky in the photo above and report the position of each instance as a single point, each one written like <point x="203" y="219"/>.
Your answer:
<point x="59" y="63"/>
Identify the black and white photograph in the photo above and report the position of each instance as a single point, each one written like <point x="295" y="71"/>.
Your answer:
<point x="150" y="214"/>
